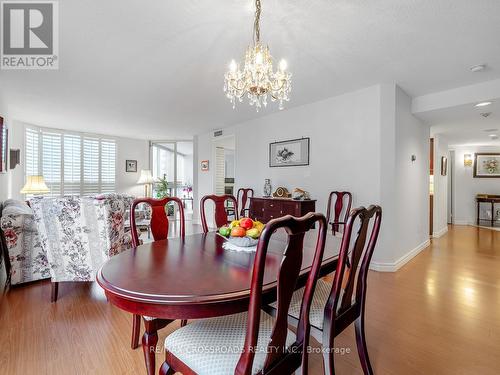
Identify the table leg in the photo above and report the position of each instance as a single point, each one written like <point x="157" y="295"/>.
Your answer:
<point x="149" y="341"/>
<point x="492" y="214"/>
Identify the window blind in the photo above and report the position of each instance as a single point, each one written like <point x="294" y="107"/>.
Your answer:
<point x="71" y="163"/>
<point x="91" y="166"/>
<point x="51" y="162"/>
<point x="108" y="165"/>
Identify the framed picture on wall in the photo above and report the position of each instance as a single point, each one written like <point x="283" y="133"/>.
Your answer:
<point x="204" y="165"/>
<point x="131" y="166"/>
<point x="444" y="165"/>
<point x="487" y="165"/>
<point x="290" y="153"/>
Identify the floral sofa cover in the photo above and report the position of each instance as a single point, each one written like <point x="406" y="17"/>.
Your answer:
<point x="71" y="237"/>
<point x="28" y="259"/>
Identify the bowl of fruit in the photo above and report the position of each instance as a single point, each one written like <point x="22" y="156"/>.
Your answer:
<point x="244" y="232"/>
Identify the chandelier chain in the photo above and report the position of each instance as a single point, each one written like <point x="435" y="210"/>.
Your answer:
<point x="256" y="25"/>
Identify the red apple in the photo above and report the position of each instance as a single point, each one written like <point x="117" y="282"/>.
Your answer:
<point x="246" y="223"/>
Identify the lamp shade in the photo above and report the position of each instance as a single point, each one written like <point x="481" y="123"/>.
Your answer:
<point x="35" y="185"/>
<point x="146" y="177"/>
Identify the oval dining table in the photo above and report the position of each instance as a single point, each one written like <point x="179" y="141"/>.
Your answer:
<point x="195" y="278"/>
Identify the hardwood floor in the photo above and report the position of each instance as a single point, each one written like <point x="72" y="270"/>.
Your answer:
<point x="440" y="314"/>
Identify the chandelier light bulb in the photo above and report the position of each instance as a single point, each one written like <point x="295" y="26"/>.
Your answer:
<point x="233" y="66"/>
<point x="283" y="65"/>
<point x="258" y="81"/>
<point x="259" y="58"/>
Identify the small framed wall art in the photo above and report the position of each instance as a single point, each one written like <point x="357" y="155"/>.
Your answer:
<point x="290" y="153"/>
<point x="444" y="165"/>
<point x="204" y="165"/>
<point x="131" y="166"/>
<point x="487" y="165"/>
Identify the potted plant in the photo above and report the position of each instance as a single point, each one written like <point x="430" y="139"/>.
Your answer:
<point x="162" y="191"/>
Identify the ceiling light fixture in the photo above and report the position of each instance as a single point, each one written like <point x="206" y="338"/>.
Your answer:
<point x="477" y="68"/>
<point x="493" y="136"/>
<point x="490" y="130"/>
<point x="482" y="104"/>
<point x="257" y="79"/>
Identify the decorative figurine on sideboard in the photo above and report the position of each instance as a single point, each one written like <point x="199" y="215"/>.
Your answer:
<point x="300" y="195"/>
<point x="267" y="188"/>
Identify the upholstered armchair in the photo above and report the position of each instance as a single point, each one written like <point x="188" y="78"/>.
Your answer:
<point x="26" y="256"/>
<point x="80" y="233"/>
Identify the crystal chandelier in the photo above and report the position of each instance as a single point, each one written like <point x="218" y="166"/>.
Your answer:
<point x="257" y="79"/>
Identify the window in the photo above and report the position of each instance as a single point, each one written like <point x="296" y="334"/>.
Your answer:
<point x="71" y="163"/>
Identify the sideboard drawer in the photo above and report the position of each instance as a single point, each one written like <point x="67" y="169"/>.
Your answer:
<point x="265" y="209"/>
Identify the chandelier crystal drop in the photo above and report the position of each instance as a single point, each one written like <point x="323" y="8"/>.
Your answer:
<point x="257" y="79"/>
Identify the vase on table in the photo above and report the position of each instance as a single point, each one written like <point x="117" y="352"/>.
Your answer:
<point x="267" y="187"/>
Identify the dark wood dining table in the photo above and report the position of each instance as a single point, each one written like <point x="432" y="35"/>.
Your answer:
<point x="195" y="278"/>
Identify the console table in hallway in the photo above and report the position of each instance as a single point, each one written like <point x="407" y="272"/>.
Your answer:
<point x="490" y="199"/>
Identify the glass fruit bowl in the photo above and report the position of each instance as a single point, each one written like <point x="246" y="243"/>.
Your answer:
<point x="244" y="232"/>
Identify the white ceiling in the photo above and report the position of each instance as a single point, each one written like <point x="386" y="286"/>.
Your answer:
<point x="154" y="69"/>
<point x="464" y="125"/>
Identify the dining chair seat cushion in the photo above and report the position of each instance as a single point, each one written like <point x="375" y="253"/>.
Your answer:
<point x="320" y="298"/>
<point x="213" y="346"/>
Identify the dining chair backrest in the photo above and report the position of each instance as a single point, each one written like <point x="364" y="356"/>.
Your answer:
<point x="159" y="224"/>
<point x="281" y="360"/>
<point x="348" y="295"/>
<point x="243" y="196"/>
<point x="340" y="202"/>
<point x="220" y="213"/>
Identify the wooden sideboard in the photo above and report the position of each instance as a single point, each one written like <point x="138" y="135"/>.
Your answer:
<point x="265" y="209"/>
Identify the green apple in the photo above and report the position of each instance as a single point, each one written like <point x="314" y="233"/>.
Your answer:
<point x="224" y="231"/>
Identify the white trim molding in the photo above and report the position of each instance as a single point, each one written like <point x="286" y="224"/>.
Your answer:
<point x="462" y="222"/>
<point x="394" y="266"/>
<point x="440" y="232"/>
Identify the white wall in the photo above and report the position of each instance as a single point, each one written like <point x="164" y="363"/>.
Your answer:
<point x="440" y="214"/>
<point x="126" y="182"/>
<point x="361" y="142"/>
<point x="465" y="186"/>
<point x="130" y="149"/>
<point x="412" y="181"/>
<point x="344" y="149"/>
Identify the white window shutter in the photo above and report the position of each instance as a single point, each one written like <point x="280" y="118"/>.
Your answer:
<point x="72" y="164"/>
<point x="108" y="165"/>
<point x="51" y="162"/>
<point x="31" y="152"/>
<point x="91" y="183"/>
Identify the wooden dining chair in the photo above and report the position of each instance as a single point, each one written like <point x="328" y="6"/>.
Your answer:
<point x="220" y="213"/>
<point x="253" y="341"/>
<point x="159" y="226"/>
<point x="340" y="210"/>
<point x="335" y="306"/>
<point x="242" y="197"/>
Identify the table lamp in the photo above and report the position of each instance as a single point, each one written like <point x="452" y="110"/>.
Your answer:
<point x="35" y="185"/>
<point x="146" y="179"/>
